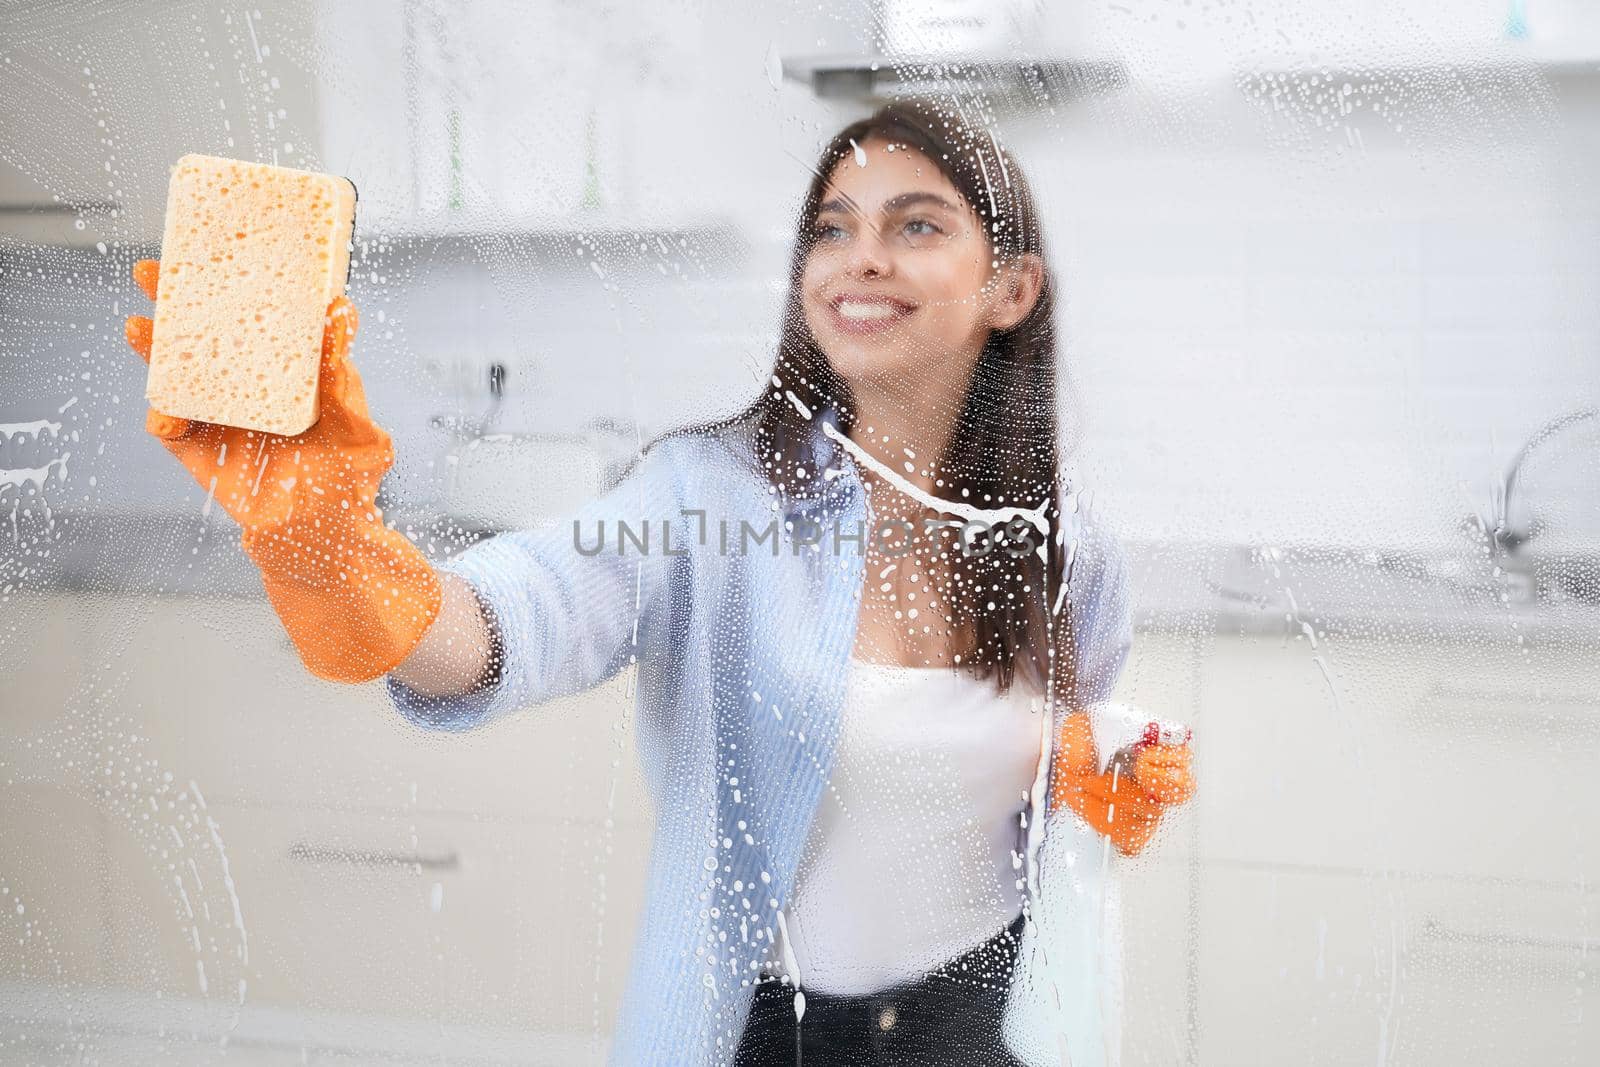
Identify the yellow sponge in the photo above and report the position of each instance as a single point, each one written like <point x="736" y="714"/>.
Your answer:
<point x="251" y="258"/>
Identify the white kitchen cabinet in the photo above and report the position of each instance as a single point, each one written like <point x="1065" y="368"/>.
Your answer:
<point x="479" y="925"/>
<point x="1386" y="860"/>
<point x="1280" y="902"/>
<point x="1301" y="967"/>
<point x="1360" y="763"/>
<point x="488" y="881"/>
<point x="530" y="116"/>
<point x="52" y="915"/>
<point x="212" y="691"/>
<point x="42" y="699"/>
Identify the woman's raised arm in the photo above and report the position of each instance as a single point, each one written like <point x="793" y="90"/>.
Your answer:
<point x="459" y="653"/>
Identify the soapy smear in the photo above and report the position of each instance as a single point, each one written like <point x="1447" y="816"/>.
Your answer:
<point x="35" y="428"/>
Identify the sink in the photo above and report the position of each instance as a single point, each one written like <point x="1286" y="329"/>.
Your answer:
<point x="1439" y="588"/>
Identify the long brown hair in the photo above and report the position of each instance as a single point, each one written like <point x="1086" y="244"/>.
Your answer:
<point x="1004" y="450"/>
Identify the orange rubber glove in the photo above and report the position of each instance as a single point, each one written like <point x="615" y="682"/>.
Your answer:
<point x="1126" y="801"/>
<point x="354" y="595"/>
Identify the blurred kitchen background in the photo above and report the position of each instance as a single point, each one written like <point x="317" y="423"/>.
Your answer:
<point x="1333" y="356"/>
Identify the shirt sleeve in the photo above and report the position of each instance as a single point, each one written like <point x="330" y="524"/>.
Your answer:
<point x="1100" y="611"/>
<point x="1103" y="632"/>
<point x="568" y="605"/>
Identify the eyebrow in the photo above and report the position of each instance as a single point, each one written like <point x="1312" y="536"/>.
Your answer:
<point x="842" y="202"/>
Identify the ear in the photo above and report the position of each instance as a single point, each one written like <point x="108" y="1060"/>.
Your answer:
<point x="1018" y="285"/>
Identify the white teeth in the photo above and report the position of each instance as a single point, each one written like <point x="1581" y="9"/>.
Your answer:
<point x="868" y="312"/>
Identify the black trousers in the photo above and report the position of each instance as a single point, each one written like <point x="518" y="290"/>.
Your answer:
<point x="951" y="1016"/>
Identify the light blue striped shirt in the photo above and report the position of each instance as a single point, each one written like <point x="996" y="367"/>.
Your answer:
<point x="742" y="647"/>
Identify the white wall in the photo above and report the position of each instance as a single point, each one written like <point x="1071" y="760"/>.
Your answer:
<point x="1288" y="318"/>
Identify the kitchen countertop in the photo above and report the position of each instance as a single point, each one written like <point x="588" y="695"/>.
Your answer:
<point x="1349" y="591"/>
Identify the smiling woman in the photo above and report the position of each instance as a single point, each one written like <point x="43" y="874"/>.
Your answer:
<point x="855" y="745"/>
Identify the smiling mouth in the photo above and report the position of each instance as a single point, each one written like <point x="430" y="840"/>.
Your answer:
<point x="857" y="314"/>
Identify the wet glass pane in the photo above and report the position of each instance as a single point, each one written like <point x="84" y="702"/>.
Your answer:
<point x="911" y="532"/>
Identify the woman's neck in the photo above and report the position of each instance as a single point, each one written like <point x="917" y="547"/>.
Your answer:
<point x="905" y="427"/>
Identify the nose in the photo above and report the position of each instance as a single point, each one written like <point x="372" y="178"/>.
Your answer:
<point x="869" y="253"/>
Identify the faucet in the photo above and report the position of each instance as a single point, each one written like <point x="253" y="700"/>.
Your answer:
<point x="1496" y="527"/>
<point x="465" y="428"/>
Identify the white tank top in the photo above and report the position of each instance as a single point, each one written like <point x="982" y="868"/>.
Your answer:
<point x="915" y="855"/>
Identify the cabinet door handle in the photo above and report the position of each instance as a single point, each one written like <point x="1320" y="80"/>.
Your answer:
<point x="365" y="857"/>
<point x="1438" y="931"/>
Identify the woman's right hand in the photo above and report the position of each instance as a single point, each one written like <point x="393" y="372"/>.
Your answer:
<point x="354" y="595"/>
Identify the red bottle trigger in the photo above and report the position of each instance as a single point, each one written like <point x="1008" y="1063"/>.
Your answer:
<point x="1163" y="733"/>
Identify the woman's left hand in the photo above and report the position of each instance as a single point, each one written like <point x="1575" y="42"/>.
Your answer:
<point x="1125" y="805"/>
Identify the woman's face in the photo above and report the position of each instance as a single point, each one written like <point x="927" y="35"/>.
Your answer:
<point x="899" y="283"/>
